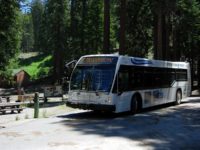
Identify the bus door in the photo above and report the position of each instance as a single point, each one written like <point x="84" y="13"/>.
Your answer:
<point x="160" y="86"/>
<point x="123" y="93"/>
<point x="172" y="84"/>
<point x="156" y="91"/>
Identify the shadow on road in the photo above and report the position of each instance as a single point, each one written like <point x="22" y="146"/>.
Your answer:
<point x="92" y="115"/>
<point x="163" y="127"/>
<point x="46" y="105"/>
<point x="192" y="101"/>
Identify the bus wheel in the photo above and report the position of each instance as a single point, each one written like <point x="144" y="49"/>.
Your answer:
<point x="178" y="97"/>
<point x="134" y="104"/>
<point x="45" y="100"/>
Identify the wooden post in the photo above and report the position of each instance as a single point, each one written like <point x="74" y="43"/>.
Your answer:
<point x="36" y="105"/>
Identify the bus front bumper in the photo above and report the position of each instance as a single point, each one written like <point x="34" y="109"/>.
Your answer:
<point x="98" y="107"/>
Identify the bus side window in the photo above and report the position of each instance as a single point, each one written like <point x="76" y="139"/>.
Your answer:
<point x="123" y="81"/>
<point x="137" y="78"/>
<point x="172" y="76"/>
<point x="148" y="77"/>
<point x="181" y="75"/>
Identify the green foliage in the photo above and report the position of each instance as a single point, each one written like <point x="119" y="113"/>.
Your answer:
<point x="93" y="28"/>
<point x="139" y="27"/>
<point x="37" y="67"/>
<point x="37" y="11"/>
<point x="86" y="29"/>
<point x="27" y="32"/>
<point x="188" y="27"/>
<point x="10" y="36"/>
<point x="57" y="12"/>
<point x="57" y="21"/>
<point x="68" y="29"/>
<point x="114" y="25"/>
<point x="9" y="31"/>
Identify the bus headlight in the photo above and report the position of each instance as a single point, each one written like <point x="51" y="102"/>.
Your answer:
<point x="109" y="100"/>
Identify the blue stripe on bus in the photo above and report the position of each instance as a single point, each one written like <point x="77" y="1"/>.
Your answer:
<point x="140" y="61"/>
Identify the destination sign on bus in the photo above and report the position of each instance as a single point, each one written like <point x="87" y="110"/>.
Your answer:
<point x="98" y="60"/>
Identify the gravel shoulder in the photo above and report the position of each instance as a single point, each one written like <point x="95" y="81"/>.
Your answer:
<point x="54" y="107"/>
<point x="166" y="127"/>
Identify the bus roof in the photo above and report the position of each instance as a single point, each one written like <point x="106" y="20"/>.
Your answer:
<point x="136" y="61"/>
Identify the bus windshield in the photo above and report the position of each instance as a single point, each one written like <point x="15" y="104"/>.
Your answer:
<point x="93" y="78"/>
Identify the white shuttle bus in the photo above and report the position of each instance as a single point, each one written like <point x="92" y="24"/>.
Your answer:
<point x="121" y="83"/>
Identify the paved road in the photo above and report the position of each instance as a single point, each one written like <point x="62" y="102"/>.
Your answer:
<point x="167" y="127"/>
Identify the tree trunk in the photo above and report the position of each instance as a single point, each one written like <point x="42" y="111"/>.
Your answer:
<point x="166" y="37"/>
<point x="59" y="48"/>
<point x="83" y="26"/>
<point x="72" y="26"/>
<point x="159" y="32"/>
<point x="198" y="73"/>
<point x="57" y="66"/>
<point x="106" y="43"/>
<point x="122" y="47"/>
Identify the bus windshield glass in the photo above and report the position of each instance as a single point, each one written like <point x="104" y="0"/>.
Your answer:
<point x="93" y="76"/>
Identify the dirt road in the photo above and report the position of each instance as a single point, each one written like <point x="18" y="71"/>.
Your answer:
<point x="166" y="127"/>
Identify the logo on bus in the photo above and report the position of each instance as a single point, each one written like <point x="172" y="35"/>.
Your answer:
<point x="137" y="61"/>
<point x="158" y="94"/>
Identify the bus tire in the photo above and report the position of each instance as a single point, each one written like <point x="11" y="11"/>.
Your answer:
<point x="178" y="97"/>
<point x="45" y="100"/>
<point x="135" y="104"/>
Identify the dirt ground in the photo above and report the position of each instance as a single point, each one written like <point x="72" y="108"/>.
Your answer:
<point x="55" y="106"/>
<point x="166" y="127"/>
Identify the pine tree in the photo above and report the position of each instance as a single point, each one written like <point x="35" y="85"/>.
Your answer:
<point x="27" y="32"/>
<point x="57" y="12"/>
<point x="37" y="11"/>
<point x="86" y="27"/>
<point x="139" y="26"/>
<point x="9" y="31"/>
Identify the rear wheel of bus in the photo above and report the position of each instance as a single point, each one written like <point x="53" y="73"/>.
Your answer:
<point x="135" y="104"/>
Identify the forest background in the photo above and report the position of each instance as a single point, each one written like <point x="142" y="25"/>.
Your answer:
<point x="63" y="30"/>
